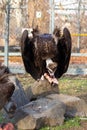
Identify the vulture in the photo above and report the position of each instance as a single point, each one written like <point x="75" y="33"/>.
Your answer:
<point x="46" y="55"/>
<point x="6" y="87"/>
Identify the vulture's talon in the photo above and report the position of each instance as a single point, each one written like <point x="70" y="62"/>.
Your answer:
<point x="54" y="84"/>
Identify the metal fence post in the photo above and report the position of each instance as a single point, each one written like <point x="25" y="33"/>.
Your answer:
<point x="51" y="28"/>
<point x="53" y="18"/>
<point x="79" y="27"/>
<point x="7" y="17"/>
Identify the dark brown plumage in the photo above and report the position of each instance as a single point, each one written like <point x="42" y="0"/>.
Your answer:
<point x="6" y="87"/>
<point x="35" y="51"/>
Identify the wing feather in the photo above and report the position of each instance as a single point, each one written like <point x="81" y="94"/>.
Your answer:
<point x="64" y="53"/>
<point x="28" y="56"/>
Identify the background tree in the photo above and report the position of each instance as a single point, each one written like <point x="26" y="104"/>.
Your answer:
<point x="34" y="8"/>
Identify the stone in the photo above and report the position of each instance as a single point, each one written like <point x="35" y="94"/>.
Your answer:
<point x="40" y="89"/>
<point x="19" y="96"/>
<point x="74" y="105"/>
<point x="39" y="113"/>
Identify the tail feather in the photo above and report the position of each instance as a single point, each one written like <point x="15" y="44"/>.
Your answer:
<point x="66" y="33"/>
<point x="24" y="40"/>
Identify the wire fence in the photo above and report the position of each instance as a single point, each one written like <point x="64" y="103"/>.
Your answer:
<point x="17" y="15"/>
<point x="72" y="15"/>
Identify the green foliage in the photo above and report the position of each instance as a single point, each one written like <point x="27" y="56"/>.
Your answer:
<point x="69" y="123"/>
<point x="73" y="85"/>
<point x="1" y="117"/>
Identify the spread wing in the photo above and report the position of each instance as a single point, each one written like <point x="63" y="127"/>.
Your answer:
<point x="64" y="52"/>
<point x="35" y="65"/>
<point x="27" y="50"/>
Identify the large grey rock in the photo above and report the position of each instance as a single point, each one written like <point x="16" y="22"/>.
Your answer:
<point x="39" y="113"/>
<point x="19" y="95"/>
<point x="49" y="111"/>
<point x="74" y="105"/>
<point x="41" y="88"/>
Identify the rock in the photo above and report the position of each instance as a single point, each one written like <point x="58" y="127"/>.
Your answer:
<point x="40" y="89"/>
<point x="47" y="107"/>
<point x="74" y="105"/>
<point x="39" y="113"/>
<point x="19" y="96"/>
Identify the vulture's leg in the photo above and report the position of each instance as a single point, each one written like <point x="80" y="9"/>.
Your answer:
<point x="51" y="67"/>
<point x="52" y="80"/>
<point x="42" y="77"/>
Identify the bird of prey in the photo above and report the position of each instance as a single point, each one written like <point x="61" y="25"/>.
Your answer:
<point x="46" y="55"/>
